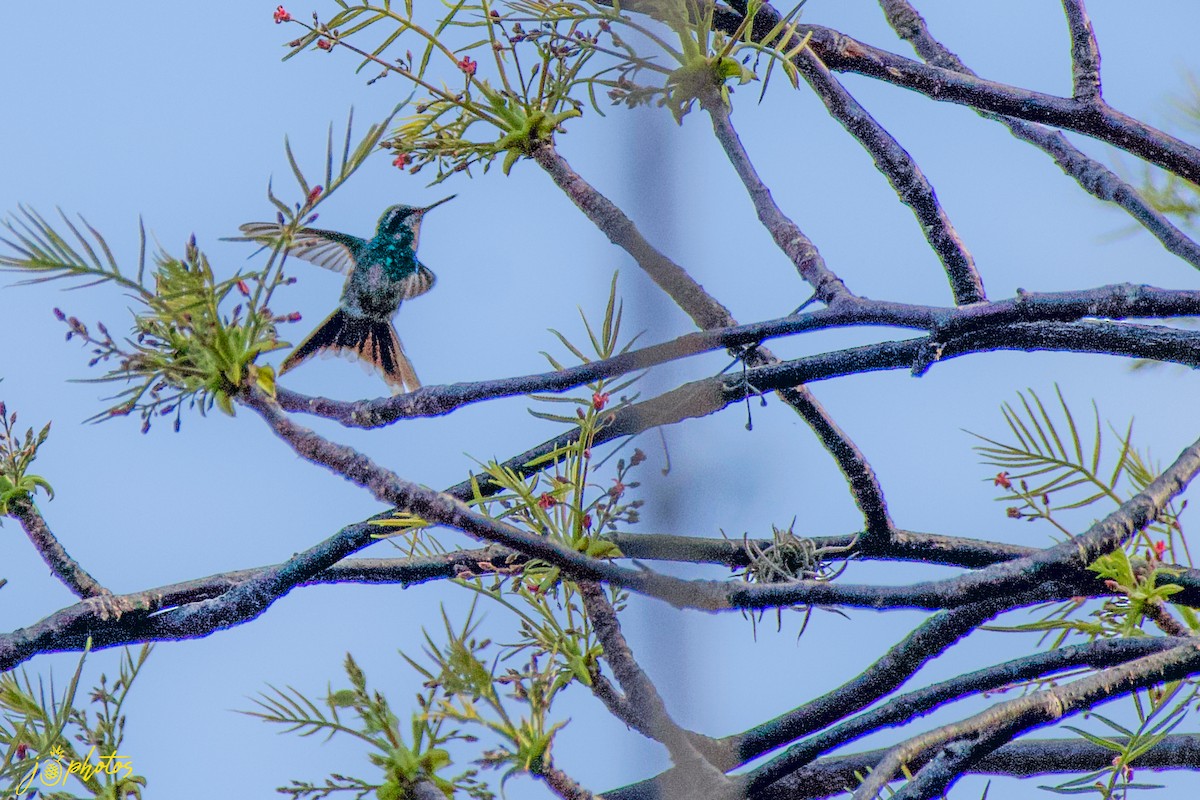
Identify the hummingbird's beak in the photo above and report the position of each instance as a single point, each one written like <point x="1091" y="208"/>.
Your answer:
<point x="438" y="203"/>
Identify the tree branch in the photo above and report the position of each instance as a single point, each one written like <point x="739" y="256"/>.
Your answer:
<point x="1116" y="301"/>
<point x="902" y="709"/>
<point x="62" y="566"/>
<point x="1091" y="175"/>
<point x="846" y="54"/>
<point x="1085" y="53"/>
<point x="786" y="234"/>
<point x="831" y="776"/>
<point x="902" y="172"/>
<point x="970" y="740"/>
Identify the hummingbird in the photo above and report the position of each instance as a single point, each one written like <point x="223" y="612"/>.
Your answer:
<point x="381" y="273"/>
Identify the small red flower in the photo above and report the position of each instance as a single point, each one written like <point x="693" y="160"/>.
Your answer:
<point x="1160" y="547"/>
<point x="243" y="288"/>
<point x="294" y="316"/>
<point x="281" y="15"/>
<point x="468" y="65"/>
<point x="547" y="500"/>
<point x="22" y="751"/>
<point x="401" y="161"/>
<point x="325" y="44"/>
<point x="587" y="522"/>
<point x="1013" y="513"/>
<point x="1002" y="481"/>
<point x="638" y="457"/>
<point x="314" y="194"/>
<point x="617" y="489"/>
<point x="599" y="400"/>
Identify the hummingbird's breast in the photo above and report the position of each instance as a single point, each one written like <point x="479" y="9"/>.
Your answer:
<point x="376" y="285"/>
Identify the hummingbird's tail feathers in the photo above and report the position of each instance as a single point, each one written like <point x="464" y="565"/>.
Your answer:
<point x="373" y="341"/>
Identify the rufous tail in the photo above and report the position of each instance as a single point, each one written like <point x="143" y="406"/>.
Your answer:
<point x="371" y="340"/>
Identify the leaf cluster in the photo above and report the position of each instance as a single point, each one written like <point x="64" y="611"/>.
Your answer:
<point x="517" y="71"/>
<point x="196" y="337"/>
<point x="411" y="765"/>
<point x="1048" y="467"/>
<point x="43" y="733"/>
<point x="1161" y="712"/>
<point x="16" y="454"/>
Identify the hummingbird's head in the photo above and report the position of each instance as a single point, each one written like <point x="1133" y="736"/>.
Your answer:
<point x="401" y="222"/>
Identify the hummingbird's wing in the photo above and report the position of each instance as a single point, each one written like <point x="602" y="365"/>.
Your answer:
<point x="418" y="283"/>
<point x="328" y="249"/>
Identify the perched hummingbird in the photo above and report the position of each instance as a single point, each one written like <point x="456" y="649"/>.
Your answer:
<point x="382" y="272"/>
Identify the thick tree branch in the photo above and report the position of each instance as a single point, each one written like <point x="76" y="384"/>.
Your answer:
<point x="1117" y="301"/>
<point x="928" y="641"/>
<point x="831" y="776"/>
<point x="843" y="53"/>
<point x="902" y="172"/>
<point x="1095" y="178"/>
<point x="966" y="742"/>
<point x="904" y="708"/>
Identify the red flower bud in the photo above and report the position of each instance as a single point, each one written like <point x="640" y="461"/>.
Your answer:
<point x="281" y="15"/>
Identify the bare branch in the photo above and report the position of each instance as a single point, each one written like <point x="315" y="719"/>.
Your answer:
<point x="706" y="312"/>
<point x="961" y="744"/>
<point x="694" y="770"/>
<point x="902" y="709"/>
<point x="1085" y="53"/>
<point x="831" y="776"/>
<point x="1116" y="301"/>
<point x="787" y="235"/>
<point x="843" y="53"/>
<point x="902" y="172"/>
<point x="62" y="566"/>
<point x="1093" y="176"/>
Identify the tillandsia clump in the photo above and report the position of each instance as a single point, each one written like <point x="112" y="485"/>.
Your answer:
<point x="786" y="558"/>
<point x="196" y="337"/>
<point x="519" y="70"/>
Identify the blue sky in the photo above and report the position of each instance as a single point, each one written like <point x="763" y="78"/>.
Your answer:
<point x="178" y="114"/>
